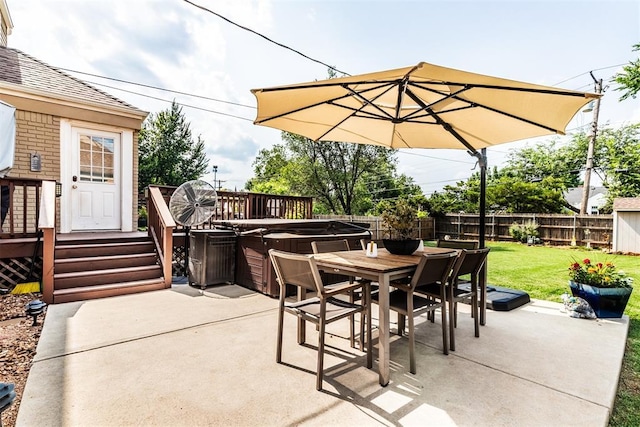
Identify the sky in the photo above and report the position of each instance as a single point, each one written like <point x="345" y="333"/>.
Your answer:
<point x="213" y="63"/>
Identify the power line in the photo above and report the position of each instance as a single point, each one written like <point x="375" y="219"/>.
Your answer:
<point x="435" y="158"/>
<point x="587" y="72"/>
<point x="156" y="87"/>
<point x="166" y="100"/>
<point x="265" y="37"/>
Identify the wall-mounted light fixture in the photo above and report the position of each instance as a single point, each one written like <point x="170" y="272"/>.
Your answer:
<point x="58" y="189"/>
<point x="36" y="162"/>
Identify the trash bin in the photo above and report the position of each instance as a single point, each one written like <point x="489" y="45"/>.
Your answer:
<point x="212" y="257"/>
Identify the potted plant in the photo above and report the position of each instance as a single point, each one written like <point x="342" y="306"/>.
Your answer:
<point x="399" y="218"/>
<point x="604" y="287"/>
<point x="142" y="217"/>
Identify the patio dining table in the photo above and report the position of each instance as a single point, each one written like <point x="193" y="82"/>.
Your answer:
<point x="383" y="269"/>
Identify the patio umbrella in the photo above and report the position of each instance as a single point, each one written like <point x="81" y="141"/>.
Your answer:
<point x="424" y="106"/>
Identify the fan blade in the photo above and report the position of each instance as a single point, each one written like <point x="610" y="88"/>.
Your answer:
<point x="190" y="193"/>
<point x="185" y="215"/>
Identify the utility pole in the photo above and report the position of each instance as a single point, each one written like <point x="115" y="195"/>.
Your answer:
<point x="590" y="149"/>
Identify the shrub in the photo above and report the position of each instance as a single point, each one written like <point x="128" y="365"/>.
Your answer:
<point x="522" y="232"/>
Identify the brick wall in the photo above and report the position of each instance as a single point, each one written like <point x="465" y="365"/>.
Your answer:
<point x="35" y="133"/>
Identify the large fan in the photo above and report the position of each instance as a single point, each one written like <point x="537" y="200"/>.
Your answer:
<point x="191" y="204"/>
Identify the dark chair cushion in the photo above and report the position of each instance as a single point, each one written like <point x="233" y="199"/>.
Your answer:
<point x="503" y="299"/>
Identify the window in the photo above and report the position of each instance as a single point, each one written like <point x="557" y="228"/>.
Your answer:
<point x="96" y="159"/>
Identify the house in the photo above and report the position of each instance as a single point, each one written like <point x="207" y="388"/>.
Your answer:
<point x="597" y="198"/>
<point x="71" y="189"/>
<point x="75" y="134"/>
<point x="66" y="131"/>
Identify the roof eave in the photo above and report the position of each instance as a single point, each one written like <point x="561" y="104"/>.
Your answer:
<point x="39" y="95"/>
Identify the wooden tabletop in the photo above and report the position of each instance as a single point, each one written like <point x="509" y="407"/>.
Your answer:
<point x="384" y="262"/>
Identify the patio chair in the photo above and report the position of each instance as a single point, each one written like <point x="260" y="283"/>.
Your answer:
<point x="458" y="244"/>
<point x="469" y="262"/>
<point x="408" y="301"/>
<point x="330" y="279"/>
<point x="302" y="271"/>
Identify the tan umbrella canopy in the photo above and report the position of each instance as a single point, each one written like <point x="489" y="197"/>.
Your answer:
<point x="424" y="106"/>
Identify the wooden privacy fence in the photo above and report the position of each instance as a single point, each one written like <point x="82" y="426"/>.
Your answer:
<point x="558" y="230"/>
<point x="424" y="227"/>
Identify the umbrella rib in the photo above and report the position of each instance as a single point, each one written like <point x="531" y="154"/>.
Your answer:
<point x="476" y="104"/>
<point x="356" y="111"/>
<point x="330" y="101"/>
<point x="441" y="122"/>
<point x="367" y="101"/>
<point x="507" y="88"/>
<point x="445" y="96"/>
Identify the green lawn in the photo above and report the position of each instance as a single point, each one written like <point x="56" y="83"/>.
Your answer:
<point x="543" y="273"/>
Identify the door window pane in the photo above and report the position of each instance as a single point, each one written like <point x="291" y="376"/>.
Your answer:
<point x="96" y="159"/>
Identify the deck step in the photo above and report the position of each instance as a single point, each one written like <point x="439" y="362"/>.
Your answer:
<point x="102" y="249"/>
<point x="69" y="265"/>
<point x="99" y="265"/>
<point x="108" y="276"/>
<point x="102" y="238"/>
<point x="107" y="290"/>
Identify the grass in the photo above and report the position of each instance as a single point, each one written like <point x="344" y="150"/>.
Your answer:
<point x="543" y="273"/>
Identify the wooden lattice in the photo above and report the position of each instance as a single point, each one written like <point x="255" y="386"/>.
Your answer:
<point x="16" y="270"/>
<point x="178" y="261"/>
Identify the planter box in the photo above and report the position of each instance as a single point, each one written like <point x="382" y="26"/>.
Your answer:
<point x="606" y="302"/>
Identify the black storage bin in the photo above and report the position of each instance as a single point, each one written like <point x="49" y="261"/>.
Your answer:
<point x="212" y="257"/>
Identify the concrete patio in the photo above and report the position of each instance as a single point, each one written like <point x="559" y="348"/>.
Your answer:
<point x="186" y="357"/>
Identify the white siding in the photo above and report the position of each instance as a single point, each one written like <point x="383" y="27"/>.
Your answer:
<point x="626" y="226"/>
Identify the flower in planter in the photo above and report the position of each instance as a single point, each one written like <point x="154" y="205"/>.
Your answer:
<point x="601" y="275"/>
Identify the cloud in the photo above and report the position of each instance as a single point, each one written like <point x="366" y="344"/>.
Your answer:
<point x="239" y="149"/>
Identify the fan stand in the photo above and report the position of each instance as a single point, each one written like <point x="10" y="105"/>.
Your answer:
<point x="185" y="266"/>
<point x="192" y="203"/>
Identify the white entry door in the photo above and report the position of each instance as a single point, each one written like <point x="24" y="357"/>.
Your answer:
<point x="95" y="186"/>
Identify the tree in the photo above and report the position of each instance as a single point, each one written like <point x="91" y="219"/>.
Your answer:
<point x="168" y="155"/>
<point x="534" y="179"/>
<point x="547" y="159"/>
<point x="629" y="79"/>
<point x="620" y="162"/>
<point x="505" y="193"/>
<point x="344" y="178"/>
<point x="508" y="194"/>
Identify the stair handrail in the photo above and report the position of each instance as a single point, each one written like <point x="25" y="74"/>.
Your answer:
<point x="47" y="225"/>
<point x="160" y="227"/>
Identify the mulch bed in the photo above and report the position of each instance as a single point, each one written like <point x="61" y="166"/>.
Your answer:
<point x="18" y="342"/>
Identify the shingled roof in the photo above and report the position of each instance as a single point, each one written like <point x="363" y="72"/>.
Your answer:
<point x="626" y="204"/>
<point x="18" y="68"/>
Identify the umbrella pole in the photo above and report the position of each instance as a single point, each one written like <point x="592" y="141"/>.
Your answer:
<point x="482" y="160"/>
<point x="482" y="275"/>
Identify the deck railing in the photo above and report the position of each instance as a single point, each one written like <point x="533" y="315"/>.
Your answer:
<point x="20" y="207"/>
<point x="47" y="225"/>
<point x="245" y="205"/>
<point x="160" y="229"/>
